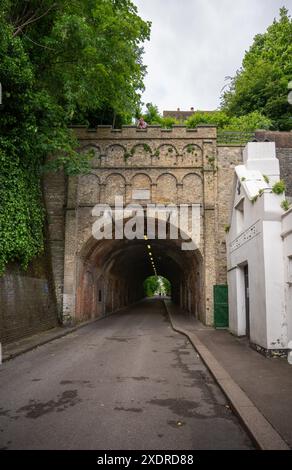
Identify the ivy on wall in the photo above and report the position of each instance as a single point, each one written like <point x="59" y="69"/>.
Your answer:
<point x="22" y="214"/>
<point x="60" y="63"/>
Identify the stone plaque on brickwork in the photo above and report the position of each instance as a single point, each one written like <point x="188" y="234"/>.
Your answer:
<point x="141" y="194"/>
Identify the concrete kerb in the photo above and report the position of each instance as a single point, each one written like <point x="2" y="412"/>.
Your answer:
<point x="260" y="430"/>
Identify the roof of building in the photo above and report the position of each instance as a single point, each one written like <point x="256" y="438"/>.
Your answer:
<point x="183" y="115"/>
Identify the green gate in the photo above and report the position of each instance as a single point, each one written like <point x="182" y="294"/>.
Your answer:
<point x="221" y="319"/>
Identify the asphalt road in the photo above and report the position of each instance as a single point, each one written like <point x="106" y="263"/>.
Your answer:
<point x="125" y="382"/>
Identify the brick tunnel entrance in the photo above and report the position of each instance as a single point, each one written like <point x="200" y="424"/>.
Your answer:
<point x="111" y="275"/>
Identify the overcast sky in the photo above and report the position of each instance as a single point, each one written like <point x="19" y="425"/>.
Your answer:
<point x="195" y="44"/>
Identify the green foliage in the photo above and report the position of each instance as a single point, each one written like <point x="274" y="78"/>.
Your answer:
<point x="147" y="148"/>
<point x="60" y="63"/>
<point x="87" y="54"/>
<point x="222" y="120"/>
<point x="216" y="118"/>
<point x="285" y="205"/>
<point x="254" y="199"/>
<point x="167" y="122"/>
<point x="247" y="123"/>
<point x="226" y="228"/>
<point x="21" y="214"/>
<point x="279" y="187"/>
<point x="154" y="285"/>
<point x="153" y="117"/>
<point x="266" y="178"/>
<point x="262" y="82"/>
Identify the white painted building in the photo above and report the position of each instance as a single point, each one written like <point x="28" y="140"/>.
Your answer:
<point x="259" y="252"/>
<point x="287" y="243"/>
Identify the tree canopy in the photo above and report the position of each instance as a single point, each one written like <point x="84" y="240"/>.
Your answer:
<point x="261" y="84"/>
<point x="221" y="119"/>
<point x="246" y="123"/>
<point x="157" y="285"/>
<point x="61" y="62"/>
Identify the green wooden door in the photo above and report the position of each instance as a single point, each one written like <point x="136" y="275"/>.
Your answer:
<point x="221" y="319"/>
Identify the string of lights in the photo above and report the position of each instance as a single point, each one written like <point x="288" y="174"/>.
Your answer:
<point x="150" y="255"/>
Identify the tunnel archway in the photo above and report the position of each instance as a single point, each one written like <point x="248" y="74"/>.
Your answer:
<point x="111" y="273"/>
<point x="157" y="285"/>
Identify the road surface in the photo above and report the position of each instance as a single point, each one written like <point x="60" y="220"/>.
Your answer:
<point x="125" y="382"/>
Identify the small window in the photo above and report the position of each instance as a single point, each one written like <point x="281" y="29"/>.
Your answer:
<point x="99" y="296"/>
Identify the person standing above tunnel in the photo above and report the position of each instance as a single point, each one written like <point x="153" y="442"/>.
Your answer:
<point x="141" y="123"/>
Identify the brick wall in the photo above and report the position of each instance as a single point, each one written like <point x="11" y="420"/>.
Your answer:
<point x="285" y="157"/>
<point x="283" y="142"/>
<point x="55" y="196"/>
<point x="27" y="303"/>
<point x="228" y="158"/>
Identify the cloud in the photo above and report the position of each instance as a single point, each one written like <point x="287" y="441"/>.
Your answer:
<point x="195" y="44"/>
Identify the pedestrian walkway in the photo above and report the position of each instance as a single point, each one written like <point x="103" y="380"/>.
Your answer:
<point x="14" y="349"/>
<point x="256" y="383"/>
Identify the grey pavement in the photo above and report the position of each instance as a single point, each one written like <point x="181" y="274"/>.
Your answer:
<point x="267" y="382"/>
<point x="126" y="382"/>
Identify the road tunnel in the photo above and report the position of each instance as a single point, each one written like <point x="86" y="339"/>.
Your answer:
<point x="111" y="274"/>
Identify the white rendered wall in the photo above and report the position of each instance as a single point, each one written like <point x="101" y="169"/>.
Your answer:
<point x="258" y="244"/>
<point x="287" y="243"/>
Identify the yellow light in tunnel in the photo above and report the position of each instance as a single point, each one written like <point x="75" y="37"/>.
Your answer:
<point x="149" y="247"/>
<point x="145" y="237"/>
<point x="150" y="254"/>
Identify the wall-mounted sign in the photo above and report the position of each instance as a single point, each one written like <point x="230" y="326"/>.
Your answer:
<point x="141" y="194"/>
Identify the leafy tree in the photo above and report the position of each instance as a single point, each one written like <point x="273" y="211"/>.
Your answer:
<point x="153" y="116"/>
<point x="166" y="285"/>
<point x="87" y="53"/>
<point x="154" y="285"/>
<point x="247" y="123"/>
<point x="60" y="62"/>
<point x="217" y="118"/>
<point x="262" y="82"/>
<point x="221" y="119"/>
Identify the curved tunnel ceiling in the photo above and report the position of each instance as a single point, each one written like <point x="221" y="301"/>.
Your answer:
<point x="130" y="258"/>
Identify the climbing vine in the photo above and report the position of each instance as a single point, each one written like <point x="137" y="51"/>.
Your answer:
<point x="21" y="214"/>
<point x="60" y="63"/>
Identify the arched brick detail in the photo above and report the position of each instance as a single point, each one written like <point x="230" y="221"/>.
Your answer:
<point x="192" y="189"/>
<point x="88" y="190"/>
<point x="115" y="155"/>
<point x="192" y="155"/>
<point x="115" y="186"/>
<point x="166" y="191"/>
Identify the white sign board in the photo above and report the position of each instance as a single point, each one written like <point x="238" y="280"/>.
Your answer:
<point x="141" y="194"/>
